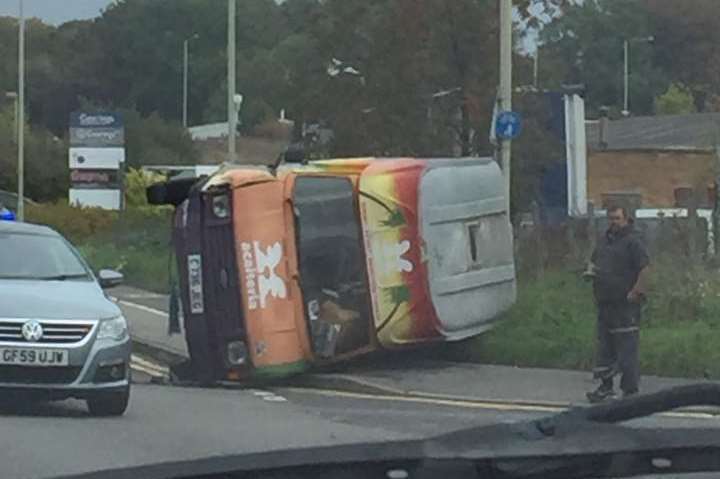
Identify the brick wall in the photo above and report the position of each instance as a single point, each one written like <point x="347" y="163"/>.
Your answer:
<point x="653" y="174"/>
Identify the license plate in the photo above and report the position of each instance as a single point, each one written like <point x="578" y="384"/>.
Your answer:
<point x="195" y="284"/>
<point x="33" y="357"/>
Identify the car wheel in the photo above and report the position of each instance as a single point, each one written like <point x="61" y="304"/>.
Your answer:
<point x="109" y="404"/>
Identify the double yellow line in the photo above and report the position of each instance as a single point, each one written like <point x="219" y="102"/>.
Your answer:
<point x="148" y="367"/>
<point x="507" y="406"/>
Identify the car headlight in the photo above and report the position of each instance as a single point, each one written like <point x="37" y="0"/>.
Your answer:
<point x="115" y="328"/>
<point x="221" y="206"/>
<point x="237" y="353"/>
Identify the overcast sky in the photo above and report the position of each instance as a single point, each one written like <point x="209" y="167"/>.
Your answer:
<point x="55" y="11"/>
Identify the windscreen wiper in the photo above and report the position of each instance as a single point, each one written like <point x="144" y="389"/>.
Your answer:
<point x="61" y="277"/>
<point x="705" y="394"/>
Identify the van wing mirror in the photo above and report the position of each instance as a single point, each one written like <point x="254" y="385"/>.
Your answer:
<point x="295" y="153"/>
<point x="172" y="192"/>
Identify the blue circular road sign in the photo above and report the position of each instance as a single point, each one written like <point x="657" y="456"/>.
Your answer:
<point x="508" y="125"/>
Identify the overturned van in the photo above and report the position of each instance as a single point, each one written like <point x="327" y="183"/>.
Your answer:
<point x="328" y="260"/>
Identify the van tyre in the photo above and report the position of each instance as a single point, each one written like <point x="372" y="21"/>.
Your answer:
<point x="109" y="403"/>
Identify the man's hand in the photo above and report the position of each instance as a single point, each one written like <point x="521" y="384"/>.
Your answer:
<point x="589" y="273"/>
<point x="637" y="293"/>
<point x="635" y="296"/>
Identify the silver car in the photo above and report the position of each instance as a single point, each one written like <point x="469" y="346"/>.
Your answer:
<point x="60" y="335"/>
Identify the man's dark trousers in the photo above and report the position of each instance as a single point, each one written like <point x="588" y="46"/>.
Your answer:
<point x="618" y="337"/>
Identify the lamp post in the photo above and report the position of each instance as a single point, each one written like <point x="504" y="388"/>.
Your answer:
<point x="21" y="117"/>
<point x="626" y="72"/>
<point x="12" y="95"/>
<point x="185" y="78"/>
<point x="505" y="89"/>
<point x="231" y="104"/>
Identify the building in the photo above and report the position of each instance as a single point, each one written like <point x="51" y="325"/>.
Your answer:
<point x="657" y="162"/>
<point x="261" y="146"/>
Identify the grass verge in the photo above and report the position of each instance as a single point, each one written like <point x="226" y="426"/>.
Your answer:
<point x="553" y="326"/>
<point x="143" y="267"/>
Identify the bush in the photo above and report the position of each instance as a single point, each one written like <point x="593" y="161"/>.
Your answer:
<point x="76" y="224"/>
<point x="136" y="181"/>
<point x="134" y="242"/>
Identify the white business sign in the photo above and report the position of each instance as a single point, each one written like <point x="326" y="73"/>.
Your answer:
<point x="96" y="158"/>
<point x="97" y="137"/>
<point x="106" y="199"/>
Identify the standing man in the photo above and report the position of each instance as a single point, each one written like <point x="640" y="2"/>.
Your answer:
<point x="619" y="270"/>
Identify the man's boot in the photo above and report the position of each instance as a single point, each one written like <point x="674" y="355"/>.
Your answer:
<point x="604" y="392"/>
<point x="629" y="394"/>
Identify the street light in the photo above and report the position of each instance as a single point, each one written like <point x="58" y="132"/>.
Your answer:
<point x="505" y="87"/>
<point x="12" y="95"/>
<point x="626" y="52"/>
<point x="21" y="117"/>
<point x="185" y="77"/>
<point x="231" y="92"/>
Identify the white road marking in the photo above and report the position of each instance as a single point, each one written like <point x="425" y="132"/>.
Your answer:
<point x="275" y="398"/>
<point x="144" y="296"/>
<point x="142" y="308"/>
<point x="262" y="393"/>
<point x="268" y="396"/>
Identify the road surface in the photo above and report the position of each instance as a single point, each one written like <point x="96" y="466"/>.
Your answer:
<point x="167" y="423"/>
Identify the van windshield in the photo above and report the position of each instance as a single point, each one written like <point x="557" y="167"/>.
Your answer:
<point x="332" y="264"/>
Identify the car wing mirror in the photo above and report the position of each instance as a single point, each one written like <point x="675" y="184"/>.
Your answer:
<point x="109" y="278"/>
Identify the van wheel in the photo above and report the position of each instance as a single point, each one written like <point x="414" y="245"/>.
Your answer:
<point x="109" y="404"/>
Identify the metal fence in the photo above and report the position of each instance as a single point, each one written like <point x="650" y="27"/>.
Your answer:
<point x="677" y="234"/>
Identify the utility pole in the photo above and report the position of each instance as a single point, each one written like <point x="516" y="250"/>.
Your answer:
<point x="626" y="75"/>
<point x="21" y="117"/>
<point x="535" y="66"/>
<point x="12" y="95"/>
<point x="232" y="116"/>
<point x="185" y="83"/>
<point x="506" y="85"/>
<point x="185" y="79"/>
<point x="626" y="68"/>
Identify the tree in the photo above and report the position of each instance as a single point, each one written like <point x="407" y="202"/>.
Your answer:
<point x="426" y="81"/>
<point x="688" y="34"/>
<point x="677" y="100"/>
<point x="46" y="168"/>
<point x="154" y="141"/>
<point x="585" y="45"/>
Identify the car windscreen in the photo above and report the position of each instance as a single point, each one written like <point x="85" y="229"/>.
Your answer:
<point x="28" y="256"/>
<point x="330" y="251"/>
